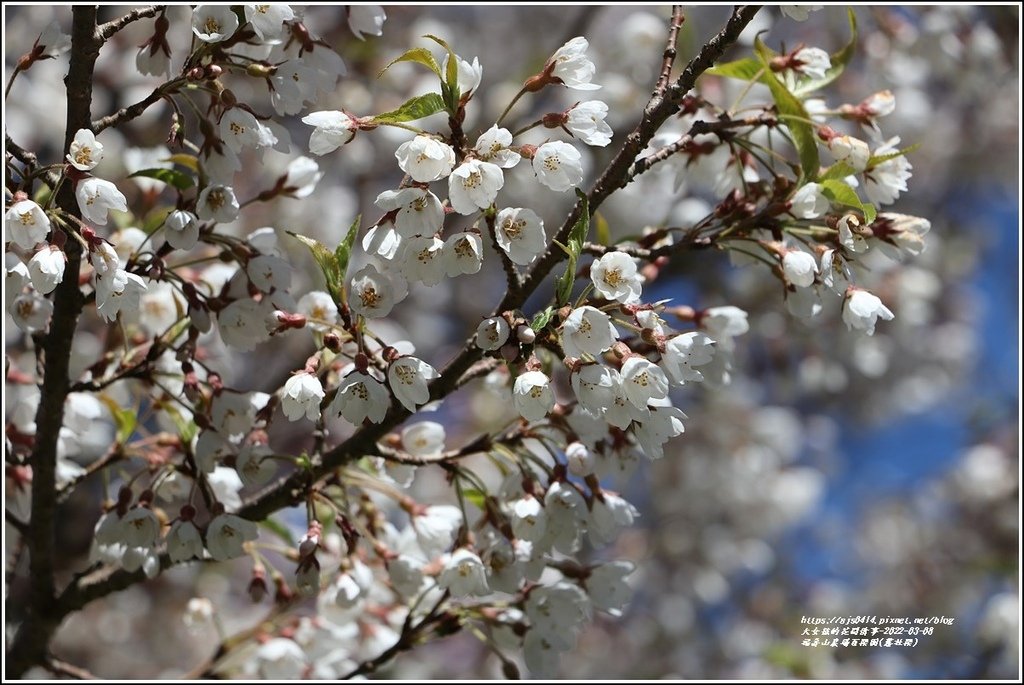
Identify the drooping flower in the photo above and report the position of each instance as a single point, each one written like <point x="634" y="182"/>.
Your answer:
<point x="46" y="268"/>
<point x="586" y="121"/>
<point x="181" y="229"/>
<point x="26" y="224"/>
<point x="520" y="233"/>
<point x="408" y="378"/>
<point x="360" y="396"/>
<point x="96" y="197"/>
<point x="226" y="534"/>
<point x="861" y="310"/>
<point x="811" y="62"/>
<point x="464" y="574"/>
<point x="332" y="129"/>
<point x="809" y="202"/>
<point x="366" y="19"/>
<point x="302" y="396"/>
<point x="587" y="330"/>
<point x="469" y="74"/>
<point x="572" y="66"/>
<point x="532" y="395"/>
<point x="799" y="268"/>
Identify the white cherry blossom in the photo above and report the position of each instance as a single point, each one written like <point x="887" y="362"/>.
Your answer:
<point x="643" y="381"/>
<point x="319" y="309"/>
<point x="332" y="129"/>
<point x="268" y="20"/>
<point x="463" y="574"/>
<point x="96" y="197"/>
<point x="424" y="439"/>
<point x="408" y="378"/>
<point x="532" y="395"/>
<point x="423" y="259"/>
<point x="181" y="229"/>
<point x="463" y="254"/>
<point x="595" y="386"/>
<point x="46" y="268"/>
<point x="684" y="352"/>
<point x="213" y="23"/>
<point x="436" y="527"/>
<point x="217" y="203"/>
<point x="586" y="121"/>
<point x="184" y="542"/>
<point x="494" y="146"/>
<point x="799" y="268"/>
<point x="301" y="396"/>
<point x="26" y="224"/>
<point x="861" y="310"/>
<point x="85" y="152"/>
<point x="366" y="19"/>
<point x="474" y="185"/>
<point x="371" y="294"/>
<point x="809" y="202"/>
<point x="587" y="330"/>
<point x="360" y="397"/>
<point x="558" y="166"/>
<point x="469" y="73"/>
<point x="572" y="66"/>
<point x="425" y="158"/>
<point x="492" y="333"/>
<point x="226" y="534"/>
<point x="520" y="233"/>
<point x="811" y="62"/>
<point x="419" y="212"/>
<point x="615" y="276"/>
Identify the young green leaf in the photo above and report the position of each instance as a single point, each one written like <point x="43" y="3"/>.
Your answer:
<point x="343" y="252"/>
<point x="417" y="108"/>
<point x="841" y="193"/>
<point x="743" y="69"/>
<point x="878" y="159"/>
<point x="542" y="319"/>
<point x="178" y="179"/>
<point x="418" y="55"/>
<point x="792" y="112"/>
<point x="328" y="263"/>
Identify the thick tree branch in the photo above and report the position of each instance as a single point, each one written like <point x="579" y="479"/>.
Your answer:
<point x="290" y="491"/>
<point x="111" y="27"/>
<point x="31" y="641"/>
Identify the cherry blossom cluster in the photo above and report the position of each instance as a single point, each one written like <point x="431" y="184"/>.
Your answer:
<point x="587" y="377"/>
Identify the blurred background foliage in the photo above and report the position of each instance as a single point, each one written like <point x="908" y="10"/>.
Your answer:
<point x="837" y="475"/>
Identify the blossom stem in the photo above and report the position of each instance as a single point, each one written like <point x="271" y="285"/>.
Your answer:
<point x="10" y="81"/>
<point x="522" y="91"/>
<point x="524" y="129"/>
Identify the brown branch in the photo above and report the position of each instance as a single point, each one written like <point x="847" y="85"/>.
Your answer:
<point x="16" y="523"/>
<point x="30" y="161"/>
<point x="126" y="114"/>
<point x="511" y="275"/>
<point x="698" y="128"/>
<point x="30" y="644"/>
<point x="112" y="456"/>
<point x="111" y="27"/>
<point x="669" y="57"/>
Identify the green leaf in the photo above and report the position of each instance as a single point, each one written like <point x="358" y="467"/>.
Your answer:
<point x="839" y="170"/>
<point x="792" y="112"/>
<point x="878" y="159"/>
<point x="343" y="252"/>
<point x="187" y="429"/>
<point x="839" y="61"/>
<point x="451" y="77"/>
<point x="582" y="226"/>
<point x="187" y="161"/>
<point x="155" y="219"/>
<point x="125" y="418"/>
<point x="178" y="179"/>
<point x="416" y="108"/>
<point x="841" y="193"/>
<point x="418" y="55"/>
<point x="744" y="69"/>
<point x="475" y="497"/>
<point x="328" y="263"/>
<point x="542" y="319"/>
<point x="280" y="530"/>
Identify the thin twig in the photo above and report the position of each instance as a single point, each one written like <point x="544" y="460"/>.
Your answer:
<point x="30" y="161"/>
<point x="669" y="57"/>
<point x="59" y="667"/>
<point x="112" y="27"/>
<point x="511" y="275"/>
<point x="126" y="114"/>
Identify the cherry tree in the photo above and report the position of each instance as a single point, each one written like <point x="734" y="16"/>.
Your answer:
<point x="134" y="286"/>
